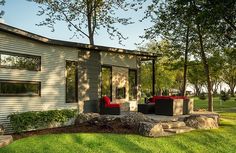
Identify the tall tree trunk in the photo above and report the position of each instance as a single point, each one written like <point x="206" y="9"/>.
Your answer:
<point x="183" y="92"/>
<point x="232" y="91"/>
<point x="206" y="68"/>
<point x="89" y="17"/>
<point x="197" y="90"/>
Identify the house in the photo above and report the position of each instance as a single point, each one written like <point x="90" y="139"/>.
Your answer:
<point x="38" y="73"/>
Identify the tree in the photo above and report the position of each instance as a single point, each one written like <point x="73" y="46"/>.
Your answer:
<point x="196" y="76"/>
<point x="229" y="70"/>
<point x="171" y="18"/>
<point x="2" y="2"/>
<point x="216" y="63"/>
<point x="87" y="17"/>
<point x="167" y="76"/>
<point x="170" y="23"/>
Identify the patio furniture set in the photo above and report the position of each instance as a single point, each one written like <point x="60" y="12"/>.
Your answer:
<point x="159" y="105"/>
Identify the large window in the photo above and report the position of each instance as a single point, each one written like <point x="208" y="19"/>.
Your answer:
<point x="107" y="81"/>
<point x="71" y="82"/>
<point x="19" y="88"/>
<point x="132" y="84"/>
<point x="20" y="61"/>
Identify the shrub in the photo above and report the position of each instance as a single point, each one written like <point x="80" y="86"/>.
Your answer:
<point x="202" y="96"/>
<point x="39" y="119"/>
<point x="224" y="96"/>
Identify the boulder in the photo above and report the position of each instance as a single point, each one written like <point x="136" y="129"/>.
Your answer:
<point x="201" y="122"/>
<point x="5" y="140"/>
<point x="2" y="129"/>
<point x="85" y="117"/>
<point x="133" y="119"/>
<point x="150" y="129"/>
<point x="103" y="120"/>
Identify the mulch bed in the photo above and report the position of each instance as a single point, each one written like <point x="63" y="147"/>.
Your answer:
<point x="82" y="128"/>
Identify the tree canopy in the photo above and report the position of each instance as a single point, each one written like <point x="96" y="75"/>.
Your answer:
<point x="2" y="2"/>
<point x="87" y="17"/>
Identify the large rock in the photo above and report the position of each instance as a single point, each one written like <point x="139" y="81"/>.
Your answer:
<point x="150" y="129"/>
<point x="5" y="140"/>
<point x="2" y="129"/>
<point x="133" y="119"/>
<point x="85" y="117"/>
<point x="201" y="122"/>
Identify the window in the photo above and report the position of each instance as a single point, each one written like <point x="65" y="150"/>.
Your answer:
<point x="107" y="81"/>
<point x="19" y="88"/>
<point x="120" y="93"/>
<point x="20" y="61"/>
<point x="132" y="84"/>
<point x="71" y="81"/>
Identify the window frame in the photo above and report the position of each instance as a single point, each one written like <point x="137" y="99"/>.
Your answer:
<point x="21" y="95"/>
<point x="20" y="55"/>
<point x="76" y="82"/>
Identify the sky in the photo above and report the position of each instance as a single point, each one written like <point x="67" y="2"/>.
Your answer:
<point x="22" y="14"/>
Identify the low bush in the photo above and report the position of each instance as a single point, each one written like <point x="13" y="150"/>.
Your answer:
<point x="39" y="119"/>
<point x="224" y="96"/>
<point x="202" y="96"/>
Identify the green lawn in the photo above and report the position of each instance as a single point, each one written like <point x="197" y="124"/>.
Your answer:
<point x="201" y="141"/>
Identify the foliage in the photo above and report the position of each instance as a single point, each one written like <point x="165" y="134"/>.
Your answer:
<point x="202" y="96"/>
<point x="167" y="74"/>
<point x="39" y="119"/>
<point x="224" y="96"/>
<point x="174" y="19"/>
<point x="87" y="17"/>
<point x="2" y="2"/>
<point x="229" y="70"/>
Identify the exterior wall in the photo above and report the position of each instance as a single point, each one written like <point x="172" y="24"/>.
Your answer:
<point x="51" y="76"/>
<point x="89" y="81"/>
<point x="121" y="63"/>
<point x="120" y="79"/>
<point x="120" y="60"/>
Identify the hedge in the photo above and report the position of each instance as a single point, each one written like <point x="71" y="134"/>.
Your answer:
<point x="39" y="119"/>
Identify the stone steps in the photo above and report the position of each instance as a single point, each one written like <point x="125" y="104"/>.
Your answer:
<point x="5" y="140"/>
<point x="176" y="127"/>
<point x="170" y="125"/>
<point x="179" y="130"/>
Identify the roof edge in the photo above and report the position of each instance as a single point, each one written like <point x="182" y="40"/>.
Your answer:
<point x="20" y="32"/>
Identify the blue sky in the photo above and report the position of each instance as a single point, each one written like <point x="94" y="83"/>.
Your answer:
<point x="22" y="14"/>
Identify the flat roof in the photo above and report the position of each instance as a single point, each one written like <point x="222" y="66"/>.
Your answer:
<point x="32" y="36"/>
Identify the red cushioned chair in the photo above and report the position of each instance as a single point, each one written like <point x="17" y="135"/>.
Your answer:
<point x="107" y="108"/>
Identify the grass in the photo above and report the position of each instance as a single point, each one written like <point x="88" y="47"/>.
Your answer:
<point x="201" y="141"/>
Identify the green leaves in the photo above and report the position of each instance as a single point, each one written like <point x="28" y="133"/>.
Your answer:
<point x="2" y="2"/>
<point x="39" y="119"/>
<point x="86" y="18"/>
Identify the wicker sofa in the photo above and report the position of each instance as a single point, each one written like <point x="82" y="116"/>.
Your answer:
<point x="166" y="105"/>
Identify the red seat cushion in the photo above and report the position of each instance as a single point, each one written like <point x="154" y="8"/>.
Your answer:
<point x="113" y="106"/>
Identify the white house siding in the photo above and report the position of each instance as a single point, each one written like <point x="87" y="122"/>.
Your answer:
<point x="51" y="76"/>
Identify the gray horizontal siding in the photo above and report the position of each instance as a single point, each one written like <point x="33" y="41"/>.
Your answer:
<point x="51" y="76"/>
